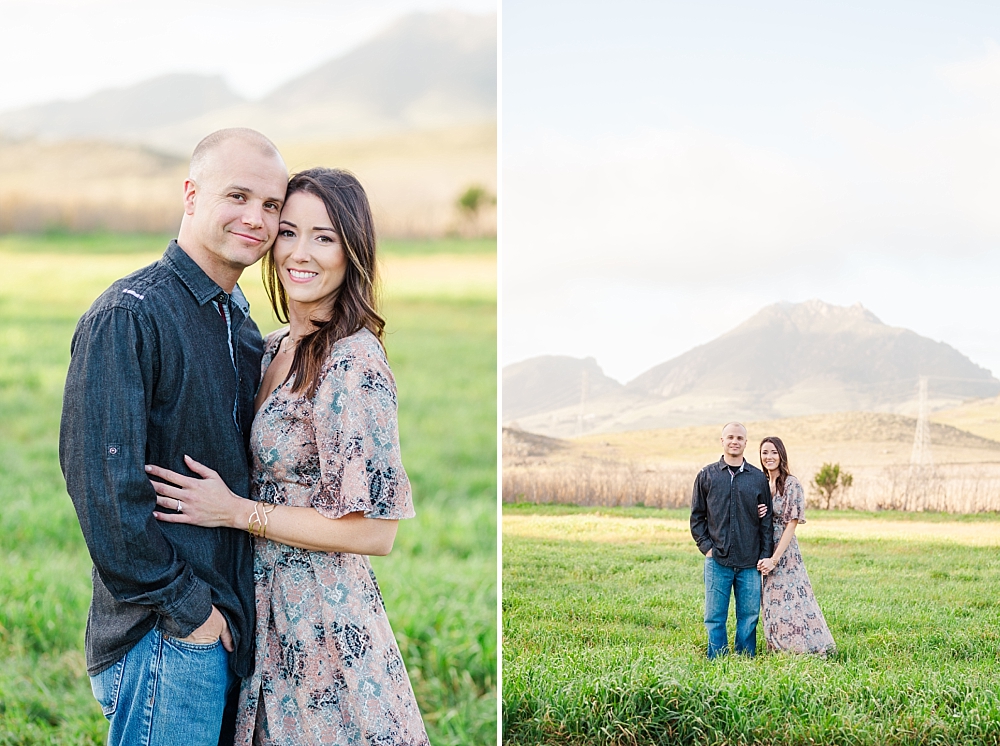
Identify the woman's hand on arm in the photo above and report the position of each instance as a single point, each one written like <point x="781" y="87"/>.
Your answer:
<point x="207" y="501"/>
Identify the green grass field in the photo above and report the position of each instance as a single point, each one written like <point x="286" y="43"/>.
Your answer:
<point x="604" y="643"/>
<point x="439" y="583"/>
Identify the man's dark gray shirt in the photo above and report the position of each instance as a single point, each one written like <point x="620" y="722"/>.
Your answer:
<point x="151" y="379"/>
<point x="724" y="514"/>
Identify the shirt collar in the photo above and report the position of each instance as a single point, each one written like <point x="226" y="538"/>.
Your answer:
<point x="723" y="465"/>
<point x="202" y="287"/>
<point x="240" y="300"/>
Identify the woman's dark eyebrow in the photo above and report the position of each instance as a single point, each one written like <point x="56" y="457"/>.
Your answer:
<point x="315" y="227"/>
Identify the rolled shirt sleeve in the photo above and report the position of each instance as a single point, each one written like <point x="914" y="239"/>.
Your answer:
<point x="102" y="453"/>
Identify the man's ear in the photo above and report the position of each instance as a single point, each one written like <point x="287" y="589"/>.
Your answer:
<point x="190" y="195"/>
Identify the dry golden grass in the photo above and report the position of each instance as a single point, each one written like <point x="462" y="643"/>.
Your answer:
<point x="862" y="439"/>
<point x="413" y="179"/>
<point x="88" y="185"/>
<point x="656" y="468"/>
<point x="614" y="529"/>
<point x="981" y="417"/>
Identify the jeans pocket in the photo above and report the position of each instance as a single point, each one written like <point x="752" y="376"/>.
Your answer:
<point x="107" y="685"/>
<point x="192" y="646"/>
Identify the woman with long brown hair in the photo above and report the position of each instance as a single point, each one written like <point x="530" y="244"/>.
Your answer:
<point x="793" y="621"/>
<point x="328" y="487"/>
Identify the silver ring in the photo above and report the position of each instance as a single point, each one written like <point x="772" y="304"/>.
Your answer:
<point x="180" y="507"/>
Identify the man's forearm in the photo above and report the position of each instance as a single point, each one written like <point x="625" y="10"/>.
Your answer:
<point x="102" y="448"/>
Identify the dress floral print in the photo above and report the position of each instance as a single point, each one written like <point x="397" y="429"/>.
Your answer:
<point x="328" y="670"/>
<point x="792" y="619"/>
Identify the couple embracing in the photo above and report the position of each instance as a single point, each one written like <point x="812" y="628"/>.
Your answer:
<point x="229" y="486"/>
<point x="744" y="521"/>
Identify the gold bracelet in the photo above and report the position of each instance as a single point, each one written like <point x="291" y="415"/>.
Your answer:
<point x="254" y="519"/>
<point x="256" y="525"/>
<point x="263" y="530"/>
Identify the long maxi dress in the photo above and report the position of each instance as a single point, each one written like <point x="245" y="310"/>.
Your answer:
<point x="793" y="621"/>
<point x="328" y="670"/>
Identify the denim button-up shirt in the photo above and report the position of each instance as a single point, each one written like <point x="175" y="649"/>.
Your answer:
<point x="724" y="514"/>
<point x="151" y="378"/>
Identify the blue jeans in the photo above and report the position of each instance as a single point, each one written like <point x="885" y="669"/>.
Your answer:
<point x="744" y="583"/>
<point x="164" y="692"/>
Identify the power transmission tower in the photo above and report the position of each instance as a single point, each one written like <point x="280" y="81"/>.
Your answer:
<point x="583" y="402"/>
<point x="921" y="455"/>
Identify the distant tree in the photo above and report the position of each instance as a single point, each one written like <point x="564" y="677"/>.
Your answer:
<point x="473" y="199"/>
<point x="828" y="479"/>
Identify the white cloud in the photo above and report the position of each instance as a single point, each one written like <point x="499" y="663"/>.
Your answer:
<point x="677" y="202"/>
<point x="979" y="76"/>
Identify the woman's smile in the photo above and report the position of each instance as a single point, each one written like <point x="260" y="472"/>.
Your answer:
<point x="301" y="275"/>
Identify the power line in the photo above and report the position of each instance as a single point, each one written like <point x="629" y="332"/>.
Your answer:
<point x="921" y="454"/>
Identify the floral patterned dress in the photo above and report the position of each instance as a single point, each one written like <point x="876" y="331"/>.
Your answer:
<point x="793" y="621"/>
<point x="328" y="670"/>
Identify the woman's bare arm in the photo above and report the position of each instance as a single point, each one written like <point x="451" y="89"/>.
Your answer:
<point x="783" y="542"/>
<point x="207" y="501"/>
<point x="786" y="539"/>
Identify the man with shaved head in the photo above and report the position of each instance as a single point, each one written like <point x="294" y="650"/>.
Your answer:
<point x="166" y="363"/>
<point x="733" y="534"/>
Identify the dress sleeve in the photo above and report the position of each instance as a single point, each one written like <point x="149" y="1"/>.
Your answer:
<point x="795" y="501"/>
<point x="357" y="438"/>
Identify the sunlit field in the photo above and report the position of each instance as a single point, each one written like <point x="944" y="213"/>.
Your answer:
<point x="604" y="642"/>
<point x="439" y="583"/>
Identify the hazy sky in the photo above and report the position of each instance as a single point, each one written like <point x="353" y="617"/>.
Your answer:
<point x="70" y="48"/>
<point x="670" y="168"/>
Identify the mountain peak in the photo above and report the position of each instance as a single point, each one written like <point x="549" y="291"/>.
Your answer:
<point x="787" y="360"/>
<point x="811" y="316"/>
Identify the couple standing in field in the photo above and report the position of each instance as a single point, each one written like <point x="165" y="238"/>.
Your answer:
<point x="743" y="520"/>
<point x="229" y="486"/>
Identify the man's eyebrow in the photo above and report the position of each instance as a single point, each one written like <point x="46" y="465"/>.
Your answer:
<point x="248" y="190"/>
